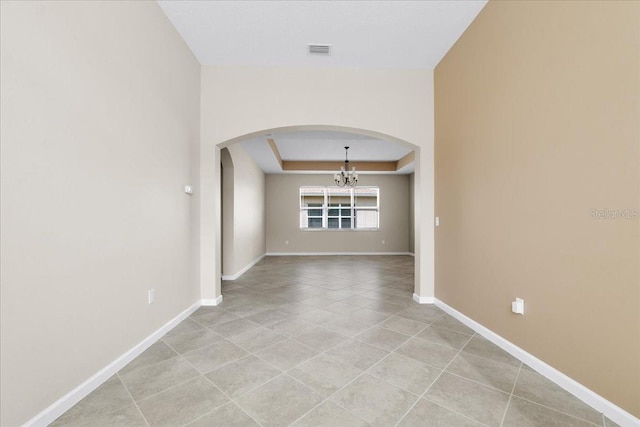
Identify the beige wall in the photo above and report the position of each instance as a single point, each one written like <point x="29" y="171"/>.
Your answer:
<point x="240" y="101"/>
<point x="537" y="112"/>
<point x="100" y="132"/>
<point x="248" y="218"/>
<point x="283" y="217"/>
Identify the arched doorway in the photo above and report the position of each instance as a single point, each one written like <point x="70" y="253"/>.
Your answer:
<point x="212" y="276"/>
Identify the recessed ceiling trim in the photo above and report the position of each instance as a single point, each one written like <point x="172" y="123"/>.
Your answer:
<point x="293" y="165"/>
<point x="275" y="150"/>
<point x="305" y="151"/>
<point x="409" y="158"/>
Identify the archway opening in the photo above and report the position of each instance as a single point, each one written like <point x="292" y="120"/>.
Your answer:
<point x="220" y="233"/>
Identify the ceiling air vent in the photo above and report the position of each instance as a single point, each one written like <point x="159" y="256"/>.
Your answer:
<point x="319" y="49"/>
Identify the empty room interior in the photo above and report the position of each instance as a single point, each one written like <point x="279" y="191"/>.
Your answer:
<point x="320" y="213"/>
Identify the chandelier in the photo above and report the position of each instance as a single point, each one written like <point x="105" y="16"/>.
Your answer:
<point x="346" y="177"/>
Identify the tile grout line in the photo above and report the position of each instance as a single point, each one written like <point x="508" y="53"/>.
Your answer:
<point x="262" y="348"/>
<point x="365" y="371"/>
<point x="252" y="388"/>
<point x="204" y="376"/>
<point x="478" y="382"/>
<point x="202" y="345"/>
<point x="133" y="400"/>
<point x="151" y="364"/>
<point x="270" y="364"/>
<point x="443" y="371"/>
<point x="326" y="399"/>
<point x="209" y="326"/>
<point x="282" y="374"/>
<point x="522" y="364"/>
<point x="394" y="352"/>
<point x="90" y="422"/>
<point x="557" y="410"/>
<point x="231" y="400"/>
<point x="506" y="409"/>
<point x="434" y="381"/>
<point x="169" y="388"/>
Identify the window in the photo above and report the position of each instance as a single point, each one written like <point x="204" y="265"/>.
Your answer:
<point x="339" y="208"/>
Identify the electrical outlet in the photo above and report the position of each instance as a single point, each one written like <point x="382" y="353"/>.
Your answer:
<point x="152" y="296"/>
<point x="517" y="306"/>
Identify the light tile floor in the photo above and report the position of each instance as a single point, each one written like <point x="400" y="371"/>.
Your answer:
<point x="327" y="341"/>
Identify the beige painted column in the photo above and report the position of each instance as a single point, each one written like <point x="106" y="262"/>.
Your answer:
<point x="424" y="224"/>
<point x="227" y="228"/>
<point x="210" y="222"/>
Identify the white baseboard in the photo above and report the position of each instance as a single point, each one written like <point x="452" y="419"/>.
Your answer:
<point x="333" y="253"/>
<point x="211" y="302"/>
<point x="59" y="407"/>
<point x="423" y="300"/>
<point x="411" y="254"/>
<point x="599" y="403"/>
<point x="244" y="270"/>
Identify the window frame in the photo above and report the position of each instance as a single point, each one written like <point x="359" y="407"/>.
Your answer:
<point x="340" y="207"/>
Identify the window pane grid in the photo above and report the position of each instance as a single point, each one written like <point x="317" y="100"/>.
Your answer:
<point x="338" y="216"/>
<point x="338" y="208"/>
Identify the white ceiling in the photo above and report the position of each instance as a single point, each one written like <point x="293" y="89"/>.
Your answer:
<point x="363" y="34"/>
<point x="322" y="146"/>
